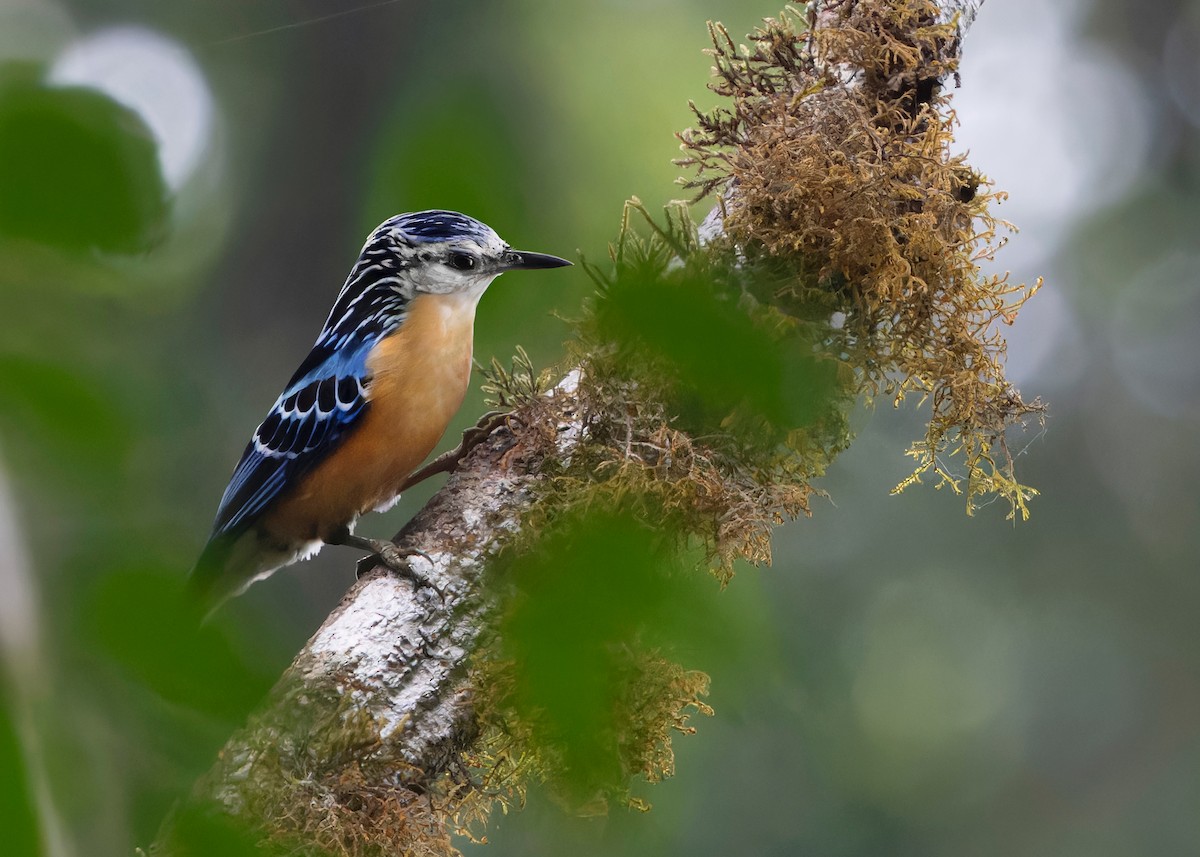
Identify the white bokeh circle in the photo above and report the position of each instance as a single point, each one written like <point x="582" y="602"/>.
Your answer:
<point x="154" y="76"/>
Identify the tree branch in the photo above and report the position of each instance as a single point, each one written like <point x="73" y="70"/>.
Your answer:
<point x="382" y="685"/>
<point x="376" y="710"/>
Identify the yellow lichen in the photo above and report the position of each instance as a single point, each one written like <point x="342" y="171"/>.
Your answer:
<point x="859" y="186"/>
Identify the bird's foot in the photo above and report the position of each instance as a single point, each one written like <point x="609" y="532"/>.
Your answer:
<point x="396" y="559"/>
<point x="386" y="553"/>
<point x="471" y="438"/>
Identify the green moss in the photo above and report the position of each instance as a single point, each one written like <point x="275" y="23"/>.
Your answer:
<point x="716" y="381"/>
<point x="579" y="689"/>
<point x="319" y="778"/>
<point x="705" y="415"/>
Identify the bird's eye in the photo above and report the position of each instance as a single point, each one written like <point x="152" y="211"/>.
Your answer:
<point x="461" y="261"/>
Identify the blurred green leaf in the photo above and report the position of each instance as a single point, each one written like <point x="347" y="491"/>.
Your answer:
<point x="722" y="358"/>
<point x="598" y="599"/>
<point x="203" y="831"/>
<point x="19" y="825"/>
<point x="141" y="619"/>
<point x="61" y="410"/>
<point x="78" y="171"/>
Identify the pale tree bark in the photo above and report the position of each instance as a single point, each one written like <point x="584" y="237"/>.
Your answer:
<point x="391" y="660"/>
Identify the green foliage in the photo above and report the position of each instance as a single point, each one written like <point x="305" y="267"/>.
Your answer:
<point x="140" y="619"/>
<point x="690" y="324"/>
<point x="715" y="405"/>
<point x="21" y="834"/>
<point x="200" y="831"/>
<point x="48" y="405"/>
<point x="518" y="386"/>
<point x="78" y="171"/>
<point x="704" y="414"/>
<point x="579" y="689"/>
<point x="716" y="378"/>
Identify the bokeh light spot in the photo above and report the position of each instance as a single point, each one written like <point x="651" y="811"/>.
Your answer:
<point x="1059" y="128"/>
<point x="1156" y="328"/>
<point x="934" y="662"/>
<point x="1045" y="344"/>
<point x="158" y="79"/>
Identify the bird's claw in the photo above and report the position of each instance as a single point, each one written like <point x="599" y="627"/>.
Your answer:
<point x="479" y="432"/>
<point x="474" y="436"/>
<point x="471" y="438"/>
<point x="396" y="558"/>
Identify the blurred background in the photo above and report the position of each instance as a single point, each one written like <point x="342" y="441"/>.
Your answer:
<point x="183" y="188"/>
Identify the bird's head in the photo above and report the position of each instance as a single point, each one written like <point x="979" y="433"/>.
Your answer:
<point x="425" y="252"/>
<point x="444" y="252"/>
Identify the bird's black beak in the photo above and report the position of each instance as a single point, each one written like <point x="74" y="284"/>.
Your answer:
<point x="522" y="260"/>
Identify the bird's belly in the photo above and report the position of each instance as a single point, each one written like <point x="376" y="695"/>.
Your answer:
<point x="420" y="376"/>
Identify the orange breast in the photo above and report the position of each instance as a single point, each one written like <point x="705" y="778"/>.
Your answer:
<point x="420" y="376"/>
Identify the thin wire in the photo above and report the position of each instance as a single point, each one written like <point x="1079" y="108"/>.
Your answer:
<point x="295" y="24"/>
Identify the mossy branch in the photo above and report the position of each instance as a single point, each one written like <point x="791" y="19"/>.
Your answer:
<point x="714" y="371"/>
<point x="835" y="153"/>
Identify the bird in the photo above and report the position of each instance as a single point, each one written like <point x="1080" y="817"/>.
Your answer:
<point x="387" y="373"/>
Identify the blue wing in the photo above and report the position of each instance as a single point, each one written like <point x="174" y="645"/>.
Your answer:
<point x="324" y="400"/>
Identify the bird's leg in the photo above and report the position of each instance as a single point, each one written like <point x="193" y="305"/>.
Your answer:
<point x="471" y="438"/>
<point x="388" y="553"/>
